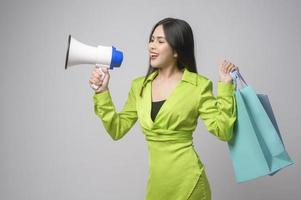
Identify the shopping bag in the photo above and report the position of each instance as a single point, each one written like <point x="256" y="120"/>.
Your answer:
<point x="256" y="148"/>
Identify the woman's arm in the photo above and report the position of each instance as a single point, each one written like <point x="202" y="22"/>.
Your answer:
<point x="218" y="113"/>
<point x="117" y="124"/>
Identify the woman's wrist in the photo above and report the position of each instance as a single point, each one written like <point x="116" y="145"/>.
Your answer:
<point x="226" y="81"/>
<point x="101" y="91"/>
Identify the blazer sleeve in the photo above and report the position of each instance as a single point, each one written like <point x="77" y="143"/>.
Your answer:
<point x="117" y="124"/>
<point x="218" y="113"/>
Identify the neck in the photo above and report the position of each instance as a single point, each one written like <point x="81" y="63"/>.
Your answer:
<point x="169" y="72"/>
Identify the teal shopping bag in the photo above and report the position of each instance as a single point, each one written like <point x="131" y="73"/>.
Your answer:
<point x="256" y="148"/>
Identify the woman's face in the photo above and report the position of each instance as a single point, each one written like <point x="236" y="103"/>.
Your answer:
<point x="161" y="53"/>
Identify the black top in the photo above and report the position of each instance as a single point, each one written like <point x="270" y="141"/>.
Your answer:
<point x="156" y="105"/>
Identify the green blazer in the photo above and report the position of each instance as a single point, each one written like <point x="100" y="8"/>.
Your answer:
<point x="174" y="165"/>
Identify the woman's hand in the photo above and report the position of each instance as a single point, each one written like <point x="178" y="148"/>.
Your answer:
<point x="224" y="71"/>
<point x="100" y="81"/>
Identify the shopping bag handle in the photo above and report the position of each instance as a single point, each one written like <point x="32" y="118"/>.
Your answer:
<point x="236" y="75"/>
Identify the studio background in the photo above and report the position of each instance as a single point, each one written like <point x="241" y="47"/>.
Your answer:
<point x="53" y="146"/>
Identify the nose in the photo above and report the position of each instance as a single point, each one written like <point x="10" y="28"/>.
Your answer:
<point x="152" y="46"/>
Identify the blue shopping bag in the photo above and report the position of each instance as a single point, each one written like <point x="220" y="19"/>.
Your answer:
<point x="256" y="148"/>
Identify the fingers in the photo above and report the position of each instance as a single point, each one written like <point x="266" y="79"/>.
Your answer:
<point x="228" y="67"/>
<point x="96" y="77"/>
<point x="96" y="71"/>
<point x="102" y="71"/>
<point x="99" y="77"/>
<point x="95" y="81"/>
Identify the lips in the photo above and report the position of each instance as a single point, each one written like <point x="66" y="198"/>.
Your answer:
<point x="153" y="55"/>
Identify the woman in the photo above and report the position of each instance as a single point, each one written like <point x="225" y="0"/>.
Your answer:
<point x="168" y="102"/>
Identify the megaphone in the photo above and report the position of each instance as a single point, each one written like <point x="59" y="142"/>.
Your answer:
<point x="80" y="53"/>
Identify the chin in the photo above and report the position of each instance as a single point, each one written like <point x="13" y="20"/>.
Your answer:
<point x="157" y="66"/>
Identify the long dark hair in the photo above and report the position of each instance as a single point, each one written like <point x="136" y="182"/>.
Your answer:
<point x="179" y="36"/>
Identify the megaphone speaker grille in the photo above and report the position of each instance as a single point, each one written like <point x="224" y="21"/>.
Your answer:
<point x="67" y="55"/>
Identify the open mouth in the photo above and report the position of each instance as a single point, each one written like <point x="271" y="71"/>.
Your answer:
<point x="154" y="56"/>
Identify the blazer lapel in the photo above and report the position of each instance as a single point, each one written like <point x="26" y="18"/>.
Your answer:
<point x="187" y="77"/>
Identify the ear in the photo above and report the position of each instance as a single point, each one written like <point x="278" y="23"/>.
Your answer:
<point x="175" y="55"/>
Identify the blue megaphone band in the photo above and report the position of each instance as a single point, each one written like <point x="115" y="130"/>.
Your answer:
<point x="117" y="58"/>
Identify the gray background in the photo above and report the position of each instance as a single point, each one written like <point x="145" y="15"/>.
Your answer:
<point x="53" y="146"/>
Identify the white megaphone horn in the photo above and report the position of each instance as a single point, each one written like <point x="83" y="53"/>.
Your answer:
<point x="80" y="53"/>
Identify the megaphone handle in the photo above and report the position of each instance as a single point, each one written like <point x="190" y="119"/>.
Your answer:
<point x="102" y="77"/>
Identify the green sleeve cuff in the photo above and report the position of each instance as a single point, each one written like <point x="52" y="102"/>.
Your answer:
<point x="225" y="89"/>
<point x="102" y="97"/>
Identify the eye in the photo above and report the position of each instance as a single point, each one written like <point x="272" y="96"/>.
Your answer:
<point x="161" y="41"/>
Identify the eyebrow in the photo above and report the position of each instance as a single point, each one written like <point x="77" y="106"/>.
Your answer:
<point x="159" y="37"/>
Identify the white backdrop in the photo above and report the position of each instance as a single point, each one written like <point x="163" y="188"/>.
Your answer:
<point x="53" y="146"/>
